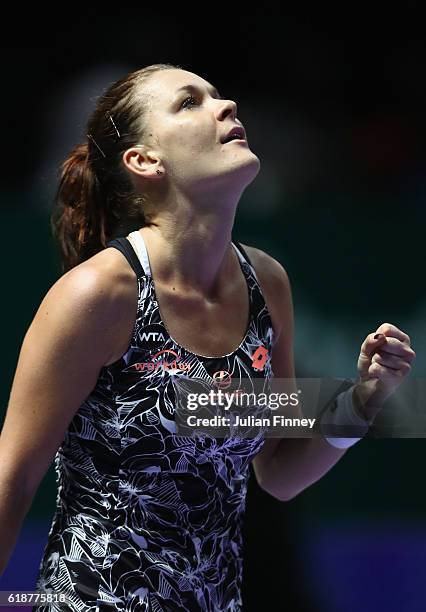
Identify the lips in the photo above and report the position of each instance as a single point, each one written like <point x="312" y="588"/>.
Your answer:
<point x="235" y="133"/>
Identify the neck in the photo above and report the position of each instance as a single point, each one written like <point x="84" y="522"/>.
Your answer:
<point x="191" y="251"/>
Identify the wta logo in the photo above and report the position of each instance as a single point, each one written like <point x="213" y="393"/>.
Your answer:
<point x="153" y="336"/>
<point x="165" y="360"/>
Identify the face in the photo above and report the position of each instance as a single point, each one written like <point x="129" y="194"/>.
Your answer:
<point x="187" y="119"/>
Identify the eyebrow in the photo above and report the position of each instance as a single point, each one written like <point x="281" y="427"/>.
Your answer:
<point x="192" y="88"/>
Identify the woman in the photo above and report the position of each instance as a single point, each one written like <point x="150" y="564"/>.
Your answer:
<point x="145" y="519"/>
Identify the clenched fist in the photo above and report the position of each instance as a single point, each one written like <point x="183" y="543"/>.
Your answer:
<point x="384" y="360"/>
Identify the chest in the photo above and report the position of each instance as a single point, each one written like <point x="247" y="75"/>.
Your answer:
<point x="206" y="327"/>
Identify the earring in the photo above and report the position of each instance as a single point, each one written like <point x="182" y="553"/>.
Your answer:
<point x="159" y="172"/>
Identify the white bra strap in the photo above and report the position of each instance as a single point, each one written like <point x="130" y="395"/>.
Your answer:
<point x="237" y="250"/>
<point x="139" y="247"/>
<point x="243" y="259"/>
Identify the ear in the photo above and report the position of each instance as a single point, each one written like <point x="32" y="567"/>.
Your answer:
<point x="142" y="162"/>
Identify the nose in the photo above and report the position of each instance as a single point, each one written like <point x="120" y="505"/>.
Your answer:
<point x="227" y="107"/>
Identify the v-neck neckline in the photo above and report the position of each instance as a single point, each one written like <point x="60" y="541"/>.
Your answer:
<point x="139" y="246"/>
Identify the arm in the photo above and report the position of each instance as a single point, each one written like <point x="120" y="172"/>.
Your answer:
<point x="67" y="343"/>
<point x="286" y="466"/>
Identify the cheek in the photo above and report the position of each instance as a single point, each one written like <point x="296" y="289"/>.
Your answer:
<point x="194" y="137"/>
<point x="185" y="141"/>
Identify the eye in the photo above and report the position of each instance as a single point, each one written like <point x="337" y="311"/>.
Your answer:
<point x="184" y="105"/>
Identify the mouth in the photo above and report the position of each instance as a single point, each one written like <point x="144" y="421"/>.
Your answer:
<point x="237" y="134"/>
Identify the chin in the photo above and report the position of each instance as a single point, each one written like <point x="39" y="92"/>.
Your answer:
<point x="251" y="165"/>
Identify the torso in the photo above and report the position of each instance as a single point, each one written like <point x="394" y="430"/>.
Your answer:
<point x="161" y="508"/>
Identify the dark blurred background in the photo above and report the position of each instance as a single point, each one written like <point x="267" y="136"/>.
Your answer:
<point x="333" y="106"/>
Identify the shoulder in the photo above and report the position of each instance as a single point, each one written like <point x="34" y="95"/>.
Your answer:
<point x="103" y="276"/>
<point x="98" y="296"/>
<point x="274" y="282"/>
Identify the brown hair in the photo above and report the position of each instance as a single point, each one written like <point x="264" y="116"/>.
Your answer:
<point x="95" y="200"/>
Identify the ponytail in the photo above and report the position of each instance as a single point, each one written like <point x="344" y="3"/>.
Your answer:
<point x="78" y="221"/>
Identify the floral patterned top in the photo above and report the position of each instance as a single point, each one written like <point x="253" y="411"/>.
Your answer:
<point x="148" y="520"/>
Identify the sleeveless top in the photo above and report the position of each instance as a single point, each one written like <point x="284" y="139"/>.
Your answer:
<point x="145" y="519"/>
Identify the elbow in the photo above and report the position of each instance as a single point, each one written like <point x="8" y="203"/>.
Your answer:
<point x="280" y="495"/>
<point x="287" y="497"/>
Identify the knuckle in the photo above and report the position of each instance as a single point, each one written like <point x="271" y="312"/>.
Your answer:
<point x="375" y="368"/>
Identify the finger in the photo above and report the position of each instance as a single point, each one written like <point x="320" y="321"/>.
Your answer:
<point x="392" y="346"/>
<point x="392" y="331"/>
<point x="384" y="373"/>
<point x="391" y="361"/>
<point x="371" y="344"/>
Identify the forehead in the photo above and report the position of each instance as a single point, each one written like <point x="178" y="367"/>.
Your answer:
<point x="164" y="84"/>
